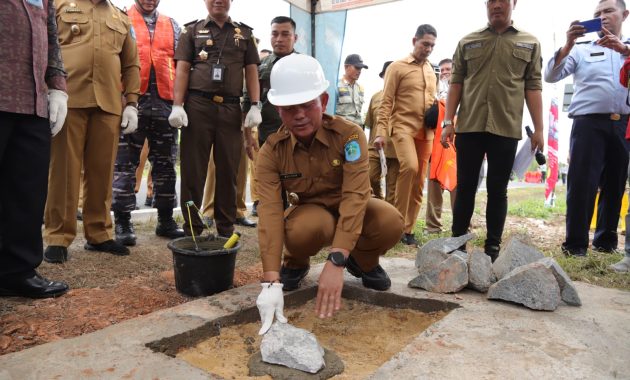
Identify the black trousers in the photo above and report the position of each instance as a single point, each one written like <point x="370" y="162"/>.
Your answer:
<point x="24" y="159"/>
<point x="598" y="158"/>
<point x="500" y="152"/>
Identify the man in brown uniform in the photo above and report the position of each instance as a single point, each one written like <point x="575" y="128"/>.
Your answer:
<point x="496" y="70"/>
<point x="211" y="56"/>
<point x="390" y="153"/>
<point x="98" y="49"/>
<point x="322" y="162"/>
<point x="410" y="86"/>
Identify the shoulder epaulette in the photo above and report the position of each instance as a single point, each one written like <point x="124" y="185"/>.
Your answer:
<point x="243" y="24"/>
<point x="190" y="23"/>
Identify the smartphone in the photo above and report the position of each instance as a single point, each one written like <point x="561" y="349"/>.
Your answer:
<point x="594" y="25"/>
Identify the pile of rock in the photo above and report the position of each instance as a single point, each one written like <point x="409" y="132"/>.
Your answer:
<point x="521" y="274"/>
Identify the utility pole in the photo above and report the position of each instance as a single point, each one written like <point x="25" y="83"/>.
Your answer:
<point x="313" y="9"/>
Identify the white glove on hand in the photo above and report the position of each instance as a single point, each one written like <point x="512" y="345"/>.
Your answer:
<point x="57" y="110"/>
<point x="178" y="117"/>
<point x="129" y="122"/>
<point x="270" y="302"/>
<point x="253" y="118"/>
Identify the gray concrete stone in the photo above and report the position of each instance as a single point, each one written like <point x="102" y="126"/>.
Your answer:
<point x="568" y="292"/>
<point x="292" y="347"/>
<point x="513" y="255"/>
<point x="429" y="258"/>
<point x="445" y="245"/>
<point x="532" y="285"/>
<point x="480" y="274"/>
<point x="449" y="276"/>
<point x="334" y="366"/>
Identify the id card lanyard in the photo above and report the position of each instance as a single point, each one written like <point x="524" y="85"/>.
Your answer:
<point x="218" y="69"/>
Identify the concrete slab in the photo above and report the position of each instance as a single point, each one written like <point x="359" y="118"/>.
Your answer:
<point x="482" y="339"/>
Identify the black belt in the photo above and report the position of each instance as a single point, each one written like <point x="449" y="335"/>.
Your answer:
<point x="216" y="97"/>
<point x="605" y="116"/>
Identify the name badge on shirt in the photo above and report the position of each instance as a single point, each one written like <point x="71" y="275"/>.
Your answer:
<point x="473" y="45"/>
<point x="36" y="3"/>
<point x="597" y="54"/>
<point x="525" y="45"/>
<point x="290" y="175"/>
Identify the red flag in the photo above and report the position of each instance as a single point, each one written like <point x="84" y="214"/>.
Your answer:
<point x="552" y="150"/>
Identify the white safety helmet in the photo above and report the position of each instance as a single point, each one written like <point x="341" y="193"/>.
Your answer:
<point x="296" y="79"/>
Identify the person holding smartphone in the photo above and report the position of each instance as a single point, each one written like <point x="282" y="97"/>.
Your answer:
<point x="598" y="150"/>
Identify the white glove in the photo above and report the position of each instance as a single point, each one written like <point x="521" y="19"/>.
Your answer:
<point x="178" y="117"/>
<point x="129" y="122"/>
<point x="270" y="302"/>
<point x="253" y="118"/>
<point x="57" y="110"/>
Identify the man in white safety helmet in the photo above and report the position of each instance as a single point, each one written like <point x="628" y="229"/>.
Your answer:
<point x="322" y="162"/>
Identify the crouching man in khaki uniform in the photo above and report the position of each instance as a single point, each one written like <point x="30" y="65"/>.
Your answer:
<point x="322" y="162"/>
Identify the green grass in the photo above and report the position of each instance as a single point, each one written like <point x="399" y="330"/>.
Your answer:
<point x="533" y="206"/>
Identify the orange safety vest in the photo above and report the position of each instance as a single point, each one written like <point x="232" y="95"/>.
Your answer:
<point x="158" y="52"/>
<point x="443" y="160"/>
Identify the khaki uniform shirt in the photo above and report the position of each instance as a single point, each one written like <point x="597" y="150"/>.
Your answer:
<point x="332" y="173"/>
<point x="370" y="122"/>
<point x="98" y="50"/>
<point x="204" y="44"/>
<point x="408" y="93"/>
<point x="350" y="101"/>
<point x="495" y="70"/>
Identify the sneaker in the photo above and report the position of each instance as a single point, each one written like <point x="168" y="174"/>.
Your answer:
<point x="621" y="267"/>
<point x="409" y="239"/>
<point x="376" y="279"/>
<point x="108" y="246"/>
<point x="291" y="278"/>
<point x="492" y="251"/>
<point x="56" y="254"/>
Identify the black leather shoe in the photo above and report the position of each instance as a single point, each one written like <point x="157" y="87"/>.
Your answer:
<point x="575" y="252"/>
<point x="55" y="254"/>
<point x="255" y="209"/>
<point x="168" y="228"/>
<point x="376" y="279"/>
<point x="606" y="249"/>
<point x="246" y="222"/>
<point x="409" y="239"/>
<point x="108" y="246"/>
<point x="492" y="251"/>
<point x="31" y="287"/>
<point x="291" y="278"/>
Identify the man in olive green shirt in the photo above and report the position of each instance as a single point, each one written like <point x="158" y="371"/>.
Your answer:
<point x="495" y="70"/>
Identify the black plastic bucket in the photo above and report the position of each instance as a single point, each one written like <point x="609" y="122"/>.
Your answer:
<point x="206" y="271"/>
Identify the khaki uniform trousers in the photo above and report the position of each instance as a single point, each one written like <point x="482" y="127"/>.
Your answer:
<point x="207" y="208"/>
<point x="413" y="156"/>
<point x="390" y="178"/>
<point x="435" y="201"/>
<point x="89" y="138"/>
<point x="309" y="228"/>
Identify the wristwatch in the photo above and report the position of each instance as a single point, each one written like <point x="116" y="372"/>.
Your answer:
<point x="132" y="104"/>
<point x="337" y="258"/>
<point x="256" y="104"/>
<point x="447" y="123"/>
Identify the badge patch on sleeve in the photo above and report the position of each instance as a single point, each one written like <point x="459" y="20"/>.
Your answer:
<point x="353" y="151"/>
